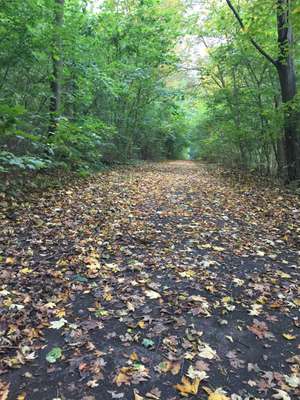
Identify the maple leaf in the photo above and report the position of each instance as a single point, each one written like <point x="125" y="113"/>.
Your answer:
<point x="92" y="383"/>
<point x="58" y="323"/>
<point x="122" y="377"/>
<point x="255" y="309"/>
<point x="202" y="366"/>
<point x="170" y="366"/>
<point x="260" y="329"/>
<point x="188" y="386"/>
<point x="195" y="373"/>
<point x="207" y="352"/>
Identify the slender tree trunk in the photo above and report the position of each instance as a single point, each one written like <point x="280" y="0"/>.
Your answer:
<point x="57" y="63"/>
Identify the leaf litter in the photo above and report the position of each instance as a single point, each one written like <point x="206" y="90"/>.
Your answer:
<point x="158" y="282"/>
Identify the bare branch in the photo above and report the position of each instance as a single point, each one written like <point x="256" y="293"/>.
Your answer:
<point x="254" y="43"/>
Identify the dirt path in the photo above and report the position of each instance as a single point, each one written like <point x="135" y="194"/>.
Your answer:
<point x="151" y="283"/>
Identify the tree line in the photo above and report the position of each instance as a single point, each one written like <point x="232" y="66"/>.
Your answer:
<point x="84" y="83"/>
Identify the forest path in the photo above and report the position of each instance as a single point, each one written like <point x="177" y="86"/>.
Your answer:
<point x="151" y="283"/>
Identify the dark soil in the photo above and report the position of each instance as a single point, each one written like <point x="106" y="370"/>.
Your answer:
<point x="168" y="252"/>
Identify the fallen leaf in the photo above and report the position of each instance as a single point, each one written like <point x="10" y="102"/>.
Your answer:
<point x="218" y="395"/>
<point x="281" y="395"/>
<point x="54" y="355"/>
<point x="207" y="352"/>
<point x="288" y="336"/>
<point x="4" y="390"/>
<point x="152" y="294"/>
<point x="188" y="386"/>
<point x="293" y="380"/>
<point x="148" y="343"/>
<point x="134" y="356"/>
<point x="137" y="396"/>
<point x="58" y="323"/>
<point x="195" y="373"/>
<point x="170" y="366"/>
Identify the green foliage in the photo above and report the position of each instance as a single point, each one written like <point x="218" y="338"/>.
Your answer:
<point x="9" y="161"/>
<point x="115" y="102"/>
<point x="54" y="355"/>
<point x="243" y="120"/>
<point x="78" y="145"/>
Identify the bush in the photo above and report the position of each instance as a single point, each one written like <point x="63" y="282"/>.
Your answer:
<point x="79" y="145"/>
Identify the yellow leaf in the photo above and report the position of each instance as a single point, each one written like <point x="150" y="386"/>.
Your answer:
<point x="287" y="336"/>
<point x="206" y="246"/>
<point x="187" y="274"/>
<point x="141" y="324"/>
<point x="226" y="299"/>
<point x="188" y="386"/>
<point x="217" y="248"/>
<point x="60" y="313"/>
<point x="170" y="366"/>
<point x="7" y="302"/>
<point x="134" y="356"/>
<point x="50" y="305"/>
<point x="217" y="396"/>
<point x="21" y="396"/>
<point x="122" y="377"/>
<point x="283" y="275"/>
<point x="107" y="296"/>
<point x="25" y="270"/>
<point x="297" y="302"/>
<point x="10" y="260"/>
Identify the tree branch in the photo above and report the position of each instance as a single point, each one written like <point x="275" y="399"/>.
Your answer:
<point x="254" y="43"/>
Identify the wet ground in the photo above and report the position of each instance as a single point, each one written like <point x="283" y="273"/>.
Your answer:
<point x="159" y="282"/>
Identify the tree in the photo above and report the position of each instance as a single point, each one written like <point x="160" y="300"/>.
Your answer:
<point x="57" y="62"/>
<point x="82" y="86"/>
<point x="284" y="65"/>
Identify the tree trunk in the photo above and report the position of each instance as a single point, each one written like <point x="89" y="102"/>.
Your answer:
<point x="57" y="62"/>
<point x="287" y="79"/>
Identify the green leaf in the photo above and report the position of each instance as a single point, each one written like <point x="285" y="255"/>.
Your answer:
<point x="148" y="343"/>
<point x="54" y="355"/>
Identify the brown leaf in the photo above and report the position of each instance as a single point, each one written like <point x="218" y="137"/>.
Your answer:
<point x="4" y="390"/>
